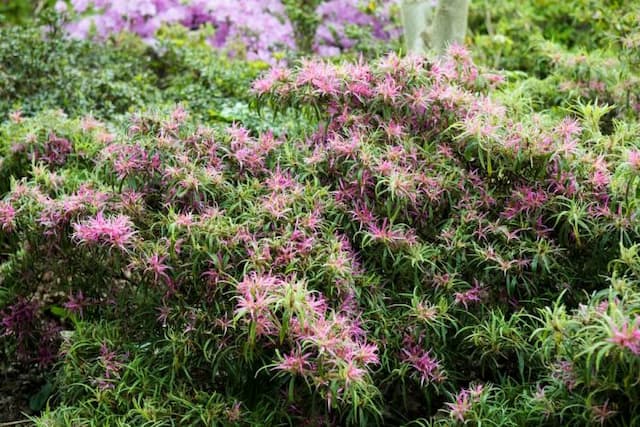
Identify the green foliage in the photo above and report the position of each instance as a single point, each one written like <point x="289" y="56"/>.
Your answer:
<point x="39" y="71"/>
<point x="476" y="242"/>
<point x="571" y="51"/>
<point x="508" y="31"/>
<point x="215" y="87"/>
<point x="14" y="12"/>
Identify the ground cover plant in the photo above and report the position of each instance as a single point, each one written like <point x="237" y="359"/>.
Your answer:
<point x="189" y="239"/>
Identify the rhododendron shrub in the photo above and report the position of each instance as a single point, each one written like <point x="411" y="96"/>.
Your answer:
<point x="417" y="252"/>
<point x="454" y="200"/>
<point x="428" y="169"/>
<point x="190" y="227"/>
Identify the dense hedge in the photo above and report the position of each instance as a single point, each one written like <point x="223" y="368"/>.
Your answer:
<point x="44" y="71"/>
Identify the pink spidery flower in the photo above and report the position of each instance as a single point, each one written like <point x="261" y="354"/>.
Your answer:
<point x="115" y="232"/>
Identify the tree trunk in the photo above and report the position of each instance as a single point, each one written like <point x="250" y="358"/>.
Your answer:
<point x="416" y="19"/>
<point x="428" y="30"/>
<point x="450" y="24"/>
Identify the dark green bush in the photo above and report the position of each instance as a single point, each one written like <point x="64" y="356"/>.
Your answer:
<point x="43" y="71"/>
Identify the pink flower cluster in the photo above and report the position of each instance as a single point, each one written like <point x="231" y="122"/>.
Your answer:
<point x="464" y="402"/>
<point x="327" y="346"/>
<point x="57" y="214"/>
<point x="56" y="150"/>
<point x="472" y="295"/>
<point x="131" y="159"/>
<point x="261" y="27"/>
<point x="525" y="200"/>
<point x="112" y="232"/>
<point x="426" y="366"/>
<point x="112" y="363"/>
<point x="7" y="216"/>
<point x="627" y="336"/>
<point x="633" y="160"/>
